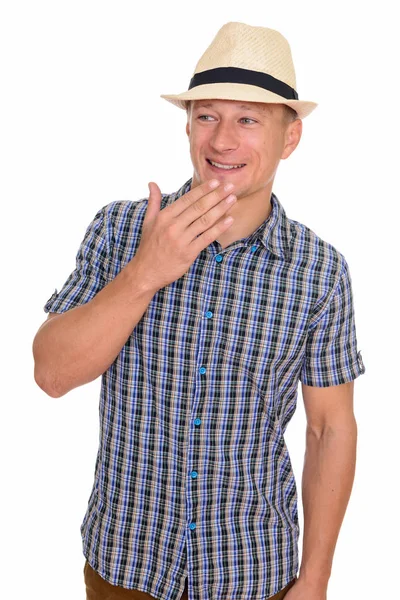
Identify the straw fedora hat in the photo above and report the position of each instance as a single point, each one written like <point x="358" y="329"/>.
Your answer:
<point x="244" y="62"/>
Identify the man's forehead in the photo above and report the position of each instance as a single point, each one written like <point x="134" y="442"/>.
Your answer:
<point x="255" y="106"/>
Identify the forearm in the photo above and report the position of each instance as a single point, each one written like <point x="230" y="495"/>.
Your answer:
<point x="328" y="477"/>
<point x="77" y="346"/>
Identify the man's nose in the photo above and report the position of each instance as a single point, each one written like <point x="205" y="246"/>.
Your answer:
<point x="224" y="137"/>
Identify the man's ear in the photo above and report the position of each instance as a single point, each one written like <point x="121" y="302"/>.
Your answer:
<point x="188" y="128"/>
<point x="292" y="137"/>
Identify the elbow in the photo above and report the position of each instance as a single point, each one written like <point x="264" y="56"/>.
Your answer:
<point x="332" y="429"/>
<point x="317" y="430"/>
<point x="43" y="380"/>
<point x="42" y="372"/>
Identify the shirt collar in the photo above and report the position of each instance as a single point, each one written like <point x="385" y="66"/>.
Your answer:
<point x="274" y="233"/>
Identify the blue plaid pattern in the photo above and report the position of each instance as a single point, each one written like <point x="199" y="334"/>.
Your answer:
<point x="193" y="477"/>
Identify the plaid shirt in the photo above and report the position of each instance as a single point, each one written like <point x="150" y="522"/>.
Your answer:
<point x="193" y="477"/>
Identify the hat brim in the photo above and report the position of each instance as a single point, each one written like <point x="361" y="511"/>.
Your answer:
<point x="238" y="91"/>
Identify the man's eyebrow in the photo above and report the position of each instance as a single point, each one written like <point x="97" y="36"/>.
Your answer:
<point x="209" y="105"/>
<point x="242" y="107"/>
<point x="255" y="108"/>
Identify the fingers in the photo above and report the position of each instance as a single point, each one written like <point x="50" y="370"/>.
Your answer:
<point x="207" y="219"/>
<point x="174" y="237"/>
<point x="154" y="202"/>
<point x="211" y="190"/>
<point x="210" y="235"/>
<point x="206" y="210"/>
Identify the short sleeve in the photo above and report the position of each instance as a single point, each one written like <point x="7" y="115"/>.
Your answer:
<point x="90" y="273"/>
<point x="331" y="355"/>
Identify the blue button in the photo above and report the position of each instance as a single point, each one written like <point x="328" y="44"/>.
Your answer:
<point x="218" y="258"/>
<point x="197" y="421"/>
<point x="253" y="248"/>
<point x="192" y="526"/>
<point x="209" y="314"/>
<point x="193" y="474"/>
<point x="202" y="370"/>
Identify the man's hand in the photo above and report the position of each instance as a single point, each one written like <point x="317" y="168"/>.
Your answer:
<point x="303" y="591"/>
<point x="172" y="238"/>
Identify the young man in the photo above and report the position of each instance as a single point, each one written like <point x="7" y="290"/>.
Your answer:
<point x="201" y="330"/>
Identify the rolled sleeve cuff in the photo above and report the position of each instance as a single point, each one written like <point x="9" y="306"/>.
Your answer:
<point x="49" y="304"/>
<point x="326" y="378"/>
<point x="59" y="302"/>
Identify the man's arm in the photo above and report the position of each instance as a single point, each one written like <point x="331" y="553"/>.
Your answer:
<point x="79" y="344"/>
<point x="328" y="476"/>
<point x="75" y="347"/>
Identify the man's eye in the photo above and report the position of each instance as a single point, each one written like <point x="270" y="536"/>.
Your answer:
<point x="248" y="119"/>
<point x="205" y="117"/>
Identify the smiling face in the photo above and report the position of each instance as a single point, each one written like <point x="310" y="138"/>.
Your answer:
<point x="241" y="142"/>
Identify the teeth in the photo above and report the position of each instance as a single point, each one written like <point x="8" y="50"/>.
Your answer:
<point x="225" y="166"/>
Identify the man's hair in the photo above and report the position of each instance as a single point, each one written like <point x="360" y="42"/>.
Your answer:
<point x="289" y="114"/>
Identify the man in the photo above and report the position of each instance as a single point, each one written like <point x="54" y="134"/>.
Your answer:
<point x="201" y="329"/>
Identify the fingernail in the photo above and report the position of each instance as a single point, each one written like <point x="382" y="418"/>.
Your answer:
<point x="228" y="186"/>
<point x="214" y="183"/>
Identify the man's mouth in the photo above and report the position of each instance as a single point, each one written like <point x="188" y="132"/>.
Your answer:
<point x="227" y="167"/>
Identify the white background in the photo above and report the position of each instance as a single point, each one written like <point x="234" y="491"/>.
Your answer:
<point x="82" y="124"/>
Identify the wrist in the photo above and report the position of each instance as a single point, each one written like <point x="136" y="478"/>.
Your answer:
<point x="316" y="579"/>
<point x="141" y="279"/>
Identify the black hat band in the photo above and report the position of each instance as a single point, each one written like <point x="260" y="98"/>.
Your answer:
<point x="246" y="76"/>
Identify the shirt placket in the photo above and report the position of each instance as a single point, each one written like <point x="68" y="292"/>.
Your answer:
<point x="197" y="485"/>
<point x="203" y="364"/>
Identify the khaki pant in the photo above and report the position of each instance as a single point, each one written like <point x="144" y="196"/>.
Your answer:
<point x="98" y="588"/>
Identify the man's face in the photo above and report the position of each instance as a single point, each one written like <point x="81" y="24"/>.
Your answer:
<point x="251" y="136"/>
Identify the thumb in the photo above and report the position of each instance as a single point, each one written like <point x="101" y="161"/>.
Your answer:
<point x="154" y="202"/>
